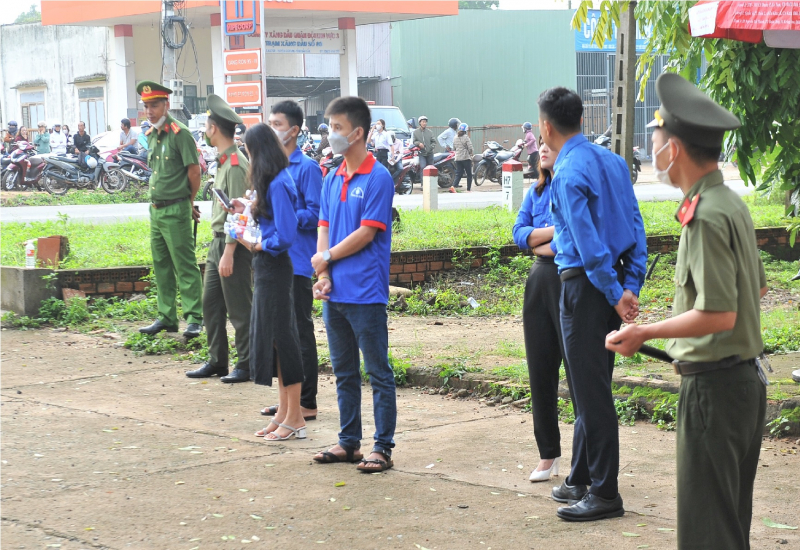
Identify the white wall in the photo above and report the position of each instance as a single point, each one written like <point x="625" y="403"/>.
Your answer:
<point x="55" y="55"/>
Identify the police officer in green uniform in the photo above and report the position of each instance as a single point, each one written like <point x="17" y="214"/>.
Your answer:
<point x="715" y="333"/>
<point x="227" y="283"/>
<point x="172" y="155"/>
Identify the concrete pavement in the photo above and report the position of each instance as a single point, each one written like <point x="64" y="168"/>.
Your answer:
<point x="113" y="213"/>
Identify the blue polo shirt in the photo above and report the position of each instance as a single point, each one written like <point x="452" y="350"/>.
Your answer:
<point x="346" y="204"/>
<point x="533" y="214"/>
<point x="597" y="218"/>
<point x="279" y="228"/>
<point x="307" y="178"/>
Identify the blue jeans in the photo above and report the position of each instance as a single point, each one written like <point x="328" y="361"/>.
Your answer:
<point x="352" y="327"/>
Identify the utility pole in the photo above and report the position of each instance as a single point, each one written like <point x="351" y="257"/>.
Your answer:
<point x="623" y="112"/>
<point x="169" y="59"/>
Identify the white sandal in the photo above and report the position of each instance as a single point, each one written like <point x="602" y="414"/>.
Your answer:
<point x="297" y="433"/>
<point x="262" y="432"/>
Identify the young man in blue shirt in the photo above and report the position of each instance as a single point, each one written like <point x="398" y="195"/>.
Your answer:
<point x="352" y="265"/>
<point x="601" y="254"/>
<point x="286" y="118"/>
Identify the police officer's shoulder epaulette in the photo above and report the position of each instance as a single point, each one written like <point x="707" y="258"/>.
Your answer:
<point x="147" y="133"/>
<point x="686" y="213"/>
<point x="175" y="127"/>
<point x="234" y="159"/>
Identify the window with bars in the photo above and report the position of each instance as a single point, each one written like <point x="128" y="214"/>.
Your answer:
<point x="32" y="108"/>
<point x="93" y="109"/>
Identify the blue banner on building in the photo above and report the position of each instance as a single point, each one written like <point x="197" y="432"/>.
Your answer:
<point x="583" y="37"/>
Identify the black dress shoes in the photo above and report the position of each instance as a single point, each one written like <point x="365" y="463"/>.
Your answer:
<point x="591" y="508"/>
<point x="192" y="330"/>
<point x="207" y="371"/>
<point x="567" y="493"/>
<point x="157" y="327"/>
<point x="237" y="375"/>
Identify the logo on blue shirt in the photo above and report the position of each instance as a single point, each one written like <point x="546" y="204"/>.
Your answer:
<point x="357" y="192"/>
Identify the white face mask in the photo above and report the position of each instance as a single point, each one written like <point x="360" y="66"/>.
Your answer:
<point x="378" y="127"/>
<point x="160" y="122"/>
<point x="662" y="175"/>
<point x="284" y="136"/>
<point x="339" y="143"/>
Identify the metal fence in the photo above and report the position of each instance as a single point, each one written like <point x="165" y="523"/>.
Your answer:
<point x="596" y="88"/>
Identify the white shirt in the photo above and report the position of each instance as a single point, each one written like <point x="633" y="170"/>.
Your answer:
<point x="58" y="143"/>
<point x="382" y="140"/>
<point x="397" y="151"/>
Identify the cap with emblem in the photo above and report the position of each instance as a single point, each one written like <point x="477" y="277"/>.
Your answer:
<point x="150" y="90"/>
<point x="689" y="114"/>
<point x="219" y="110"/>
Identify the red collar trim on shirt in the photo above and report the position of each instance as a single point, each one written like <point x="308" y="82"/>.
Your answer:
<point x="365" y="168"/>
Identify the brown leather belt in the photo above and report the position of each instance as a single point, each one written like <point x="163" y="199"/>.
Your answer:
<point x="162" y="204"/>
<point x="688" y="367"/>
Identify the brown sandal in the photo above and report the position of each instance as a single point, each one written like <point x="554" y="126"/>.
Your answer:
<point x="363" y="465"/>
<point x="327" y="457"/>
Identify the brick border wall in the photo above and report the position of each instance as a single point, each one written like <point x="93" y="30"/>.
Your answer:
<point x="406" y="268"/>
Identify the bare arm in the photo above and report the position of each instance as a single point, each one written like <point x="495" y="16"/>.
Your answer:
<point x="763" y="292"/>
<point x="540" y="236"/>
<point x="544" y="250"/>
<point x="693" y="323"/>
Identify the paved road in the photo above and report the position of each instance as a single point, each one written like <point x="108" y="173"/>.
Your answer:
<point x="109" y="213"/>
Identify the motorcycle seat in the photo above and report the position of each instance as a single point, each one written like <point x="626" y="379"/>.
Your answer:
<point x="71" y="160"/>
<point x="438" y="157"/>
<point x="504" y="156"/>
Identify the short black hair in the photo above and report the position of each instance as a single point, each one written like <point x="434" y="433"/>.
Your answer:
<point x="225" y="126"/>
<point x="356" y="110"/>
<point x="292" y="111"/>
<point x="563" y="108"/>
<point x="699" y="154"/>
<point x="126" y="122"/>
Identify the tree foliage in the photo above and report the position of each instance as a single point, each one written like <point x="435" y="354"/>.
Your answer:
<point x="759" y="84"/>
<point x="31" y="16"/>
<point x="478" y="5"/>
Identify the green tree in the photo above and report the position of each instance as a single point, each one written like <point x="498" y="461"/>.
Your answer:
<point x="31" y="16"/>
<point x="759" y="84"/>
<point x="479" y="5"/>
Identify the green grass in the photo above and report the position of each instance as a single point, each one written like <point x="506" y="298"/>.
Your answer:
<point x="132" y="194"/>
<point x="127" y="243"/>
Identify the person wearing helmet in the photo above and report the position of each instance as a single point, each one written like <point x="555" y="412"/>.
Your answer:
<point x="322" y="129"/>
<point x="58" y="140"/>
<point x="464" y="151"/>
<point x="11" y="134"/>
<point x="141" y="140"/>
<point x="446" y="138"/>
<point x="532" y="148"/>
<point x="42" y="139"/>
<point x="423" y="138"/>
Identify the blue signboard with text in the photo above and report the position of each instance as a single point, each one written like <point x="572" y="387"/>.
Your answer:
<point x="583" y="37"/>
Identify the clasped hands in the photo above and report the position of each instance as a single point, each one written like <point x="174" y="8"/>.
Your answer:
<point x="628" y="339"/>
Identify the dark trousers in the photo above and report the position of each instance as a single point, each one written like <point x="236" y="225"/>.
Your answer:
<point x="425" y="161"/>
<point x="586" y="319"/>
<point x="228" y="297"/>
<point x="720" y="423"/>
<point x="382" y="156"/>
<point x="303" y="305"/>
<point x="533" y="164"/>
<point x="544" y="351"/>
<point x="464" y="167"/>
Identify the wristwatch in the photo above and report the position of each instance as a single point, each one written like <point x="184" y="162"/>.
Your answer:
<point x="326" y="255"/>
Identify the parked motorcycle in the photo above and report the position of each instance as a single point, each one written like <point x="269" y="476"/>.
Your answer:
<point x="133" y="168"/>
<point x="329" y="162"/>
<point x="491" y="165"/>
<point x="24" y="168"/>
<point x="445" y="163"/>
<point x="604" y="140"/>
<point x="206" y="194"/>
<point x="403" y="182"/>
<point x="63" y="172"/>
